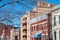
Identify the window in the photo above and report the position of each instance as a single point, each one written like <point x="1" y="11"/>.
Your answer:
<point x="24" y="30"/>
<point x="59" y="35"/>
<point x="25" y="18"/>
<point x="16" y="37"/>
<point x="37" y="27"/>
<point x="55" y="35"/>
<point x="46" y="37"/>
<point x="24" y="24"/>
<point x="54" y="21"/>
<point x="24" y="36"/>
<point x="43" y="3"/>
<point x="31" y="29"/>
<point x="51" y="5"/>
<point x="36" y="38"/>
<point x="46" y="25"/>
<point x="59" y="19"/>
<point x="34" y="27"/>
<point x="42" y="25"/>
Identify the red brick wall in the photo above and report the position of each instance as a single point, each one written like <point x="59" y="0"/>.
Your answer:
<point x="39" y="28"/>
<point x="6" y="29"/>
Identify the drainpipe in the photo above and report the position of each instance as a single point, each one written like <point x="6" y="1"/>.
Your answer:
<point x="48" y="26"/>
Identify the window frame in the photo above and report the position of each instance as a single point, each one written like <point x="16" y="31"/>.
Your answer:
<point x="54" y="21"/>
<point x="54" y="35"/>
<point x="59" y="19"/>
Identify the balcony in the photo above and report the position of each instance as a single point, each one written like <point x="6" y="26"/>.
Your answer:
<point x="24" y="37"/>
<point x="24" y="24"/>
<point x="24" y="27"/>
<point x="25" y="20"/>
<point x="24" y="31"/>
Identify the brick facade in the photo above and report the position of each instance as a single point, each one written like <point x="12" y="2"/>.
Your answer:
<point x="40" y="26"/>
<point x="6" y="32"/>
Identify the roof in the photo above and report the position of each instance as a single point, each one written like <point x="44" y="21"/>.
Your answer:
<point x="6" y="26"/>
<point x="55" y="7"/>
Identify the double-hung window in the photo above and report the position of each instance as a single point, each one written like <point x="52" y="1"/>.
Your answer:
<point x="54" y="35"/>
<point x="59" y="35"/>
<point x="54" y="21"/>
<point x="59" y="19"/>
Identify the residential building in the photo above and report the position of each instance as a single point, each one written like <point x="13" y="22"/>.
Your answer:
<point x="39" y="28"/>
<point x="40" y="9"/>
<point x="56" y="22"/>
<point x="16" y="33"/>
<point x="6" y="32"/>
<point x="9" y="31"/>
<point x="24" y="25"/>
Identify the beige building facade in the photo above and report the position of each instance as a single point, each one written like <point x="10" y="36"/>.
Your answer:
<point x="25" y="33"/>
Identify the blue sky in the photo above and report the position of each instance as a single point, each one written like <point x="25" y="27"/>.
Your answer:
<point x="18" y="8"/>
<point x="57" y="2"/>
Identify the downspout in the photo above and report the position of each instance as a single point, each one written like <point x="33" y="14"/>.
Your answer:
<point x="48" y="26"/>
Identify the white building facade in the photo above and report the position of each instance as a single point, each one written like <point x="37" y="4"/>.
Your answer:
<point x="56" y="22"/>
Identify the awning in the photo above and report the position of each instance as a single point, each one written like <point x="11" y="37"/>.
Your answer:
<point x="36" y="35"/>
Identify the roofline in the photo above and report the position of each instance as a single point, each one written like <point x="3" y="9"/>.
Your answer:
<point x="55" y="8"/>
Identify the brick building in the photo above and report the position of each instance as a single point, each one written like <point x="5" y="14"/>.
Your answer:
<point x="39" y="28"/>
<point x="6" y="32"/>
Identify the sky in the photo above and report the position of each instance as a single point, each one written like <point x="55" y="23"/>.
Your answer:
<point x="57" y="2"/>
<point x="18" y="8"/>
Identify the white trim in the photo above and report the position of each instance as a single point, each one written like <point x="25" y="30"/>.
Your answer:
<point x="44" y="34"/>
<point x="34" y="24"/>
<point x="39" y="18"/>
<point x="56" y="7"/>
